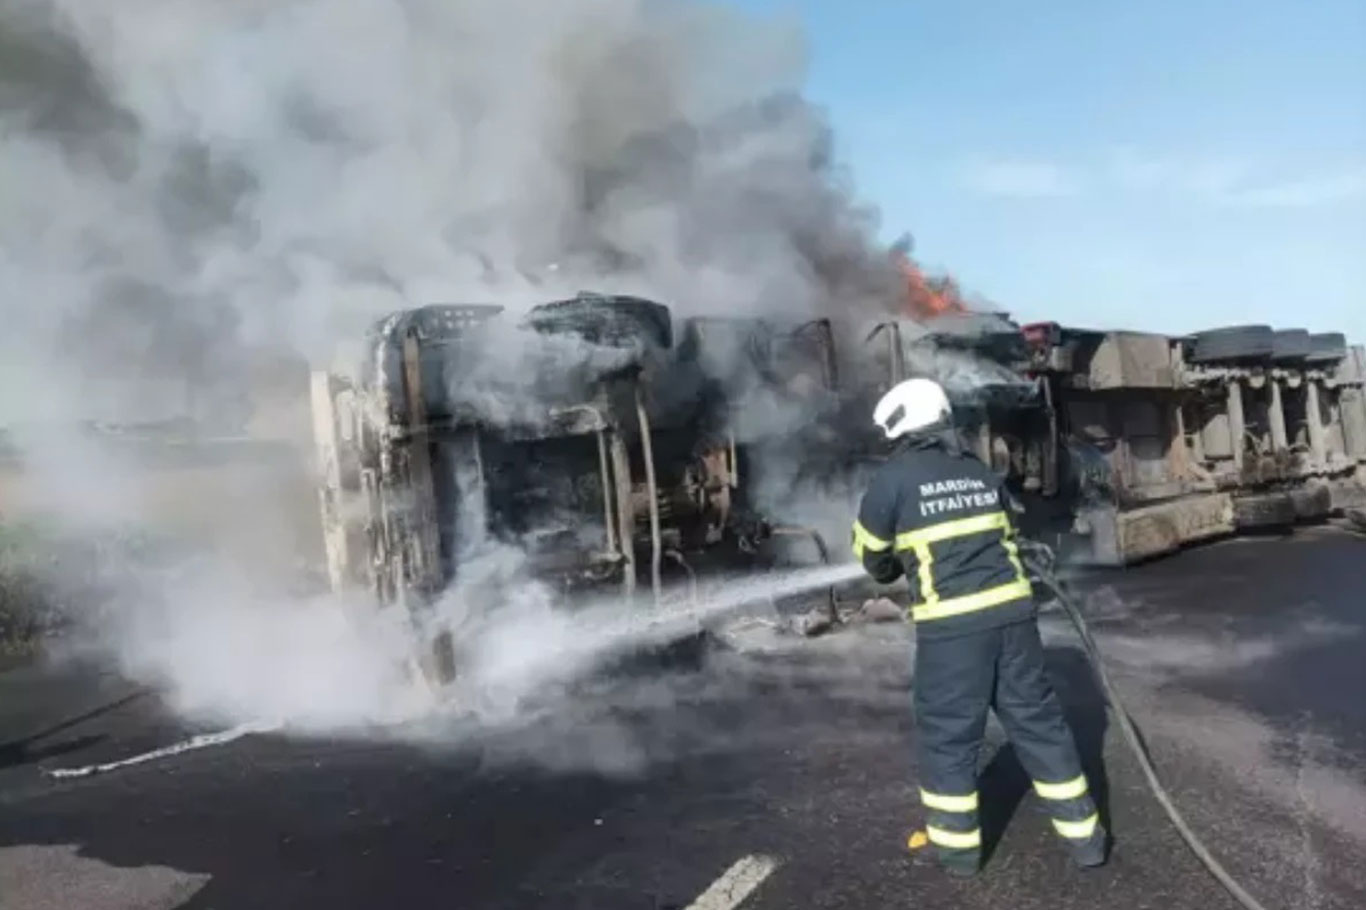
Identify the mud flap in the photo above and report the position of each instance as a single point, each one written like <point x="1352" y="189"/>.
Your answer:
<point x="1313" y="502"/>
<point x="1265" y="510"/>
<point x="1120" y="538"/>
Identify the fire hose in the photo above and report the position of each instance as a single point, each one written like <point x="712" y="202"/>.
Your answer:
<point x="1042" y="565"/>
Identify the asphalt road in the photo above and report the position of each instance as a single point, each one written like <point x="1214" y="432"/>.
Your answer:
<point x="1242" y="662"/>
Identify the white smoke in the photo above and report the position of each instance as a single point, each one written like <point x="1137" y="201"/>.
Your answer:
<point x="227" y="654"/>
<point x="191" y="176"/>
<point x="192" y="185"/>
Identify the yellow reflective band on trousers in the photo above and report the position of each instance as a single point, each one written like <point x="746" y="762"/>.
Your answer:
<point x="1071" y="789"/>
<point x="1077" y="830"/>
<point x="864" y="540"/>
<point x="954" y="840"/>
<point x="931" y="607"/>
<point x="949" y="803"/>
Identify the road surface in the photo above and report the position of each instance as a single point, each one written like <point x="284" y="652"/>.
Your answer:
<point x="776" y="774"/>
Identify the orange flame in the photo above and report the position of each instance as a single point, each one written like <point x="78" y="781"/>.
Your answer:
<point x="925" y="298"/>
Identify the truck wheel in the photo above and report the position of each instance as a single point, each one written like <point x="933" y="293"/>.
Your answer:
<point x="1290" y="344"/>
<point x="1241" y="342"/>
<point x="1327" y="346"/>
<point x="1263" y="510"/>
<point x="611" y="321"/>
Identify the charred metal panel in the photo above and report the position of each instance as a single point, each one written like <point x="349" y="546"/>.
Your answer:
<point x="1132" y="360"/>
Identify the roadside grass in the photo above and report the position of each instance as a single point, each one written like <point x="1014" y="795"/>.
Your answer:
<point x="26" y="612"/>
<point x="48" y="576"/>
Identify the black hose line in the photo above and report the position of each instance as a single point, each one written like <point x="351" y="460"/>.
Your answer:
<point x="1045" y="575"/>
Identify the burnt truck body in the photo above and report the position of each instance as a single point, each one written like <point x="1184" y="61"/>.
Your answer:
<point x="600" y="439"/>
<point x="613" y="445"/>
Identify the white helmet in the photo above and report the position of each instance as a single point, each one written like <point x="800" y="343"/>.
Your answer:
<point x="910" y="406"/>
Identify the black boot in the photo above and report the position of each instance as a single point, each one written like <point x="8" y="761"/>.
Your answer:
<point x="1093" y="851"/>
<point x="960" y="863"/>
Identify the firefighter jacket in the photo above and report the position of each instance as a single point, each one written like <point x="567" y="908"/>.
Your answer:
<point x="938" y="514"/>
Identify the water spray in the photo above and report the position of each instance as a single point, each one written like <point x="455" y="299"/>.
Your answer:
<point x="583" y="641"/>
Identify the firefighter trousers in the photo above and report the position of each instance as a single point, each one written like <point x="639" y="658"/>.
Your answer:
<point x="956" y="680"/>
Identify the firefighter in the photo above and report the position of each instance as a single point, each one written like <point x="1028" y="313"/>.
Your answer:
<point x="937" y="514"/>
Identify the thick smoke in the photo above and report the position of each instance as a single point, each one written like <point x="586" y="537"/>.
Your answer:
<point x="192" y="178"/>
<point x="202" y="196"/>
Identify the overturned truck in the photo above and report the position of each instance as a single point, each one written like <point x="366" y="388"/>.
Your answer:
<point x="615" y="445"/>
<point x="1174" y="440"/>
<point x="604" y="442"/>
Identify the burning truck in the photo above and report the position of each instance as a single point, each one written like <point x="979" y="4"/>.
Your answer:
<point x="608" y="445"/>
<point x="615" y="445"/>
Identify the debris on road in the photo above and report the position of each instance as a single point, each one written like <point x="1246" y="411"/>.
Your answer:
<point x="880" y="609"/>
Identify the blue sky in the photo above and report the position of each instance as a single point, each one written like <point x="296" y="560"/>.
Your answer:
<point x="1161" y="165"/>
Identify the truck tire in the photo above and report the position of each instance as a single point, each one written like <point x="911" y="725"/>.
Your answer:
<point x="1327" y="346"/>
<point x="610" y="321"/>
<point x="1312" y="503"/>
<point x="1290" y="344"/>
<point x="1241" y="342"/>
<point x="1264" y="510"/>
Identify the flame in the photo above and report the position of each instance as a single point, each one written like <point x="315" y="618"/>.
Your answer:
<point x="925" y="298"/>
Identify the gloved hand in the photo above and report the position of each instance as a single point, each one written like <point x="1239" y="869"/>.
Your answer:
<point x="1038" y="558"/>
<point x="1040" y="565"/>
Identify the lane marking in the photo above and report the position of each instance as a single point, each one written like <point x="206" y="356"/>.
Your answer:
<point x="739" y="882"/>
<point x="203" y="741"/>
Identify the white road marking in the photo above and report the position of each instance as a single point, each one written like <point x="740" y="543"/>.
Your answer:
<point x="203" y="741"/>
<point x="730" y="890"/>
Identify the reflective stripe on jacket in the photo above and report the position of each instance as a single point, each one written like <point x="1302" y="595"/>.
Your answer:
<point x="938" y="514"/>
